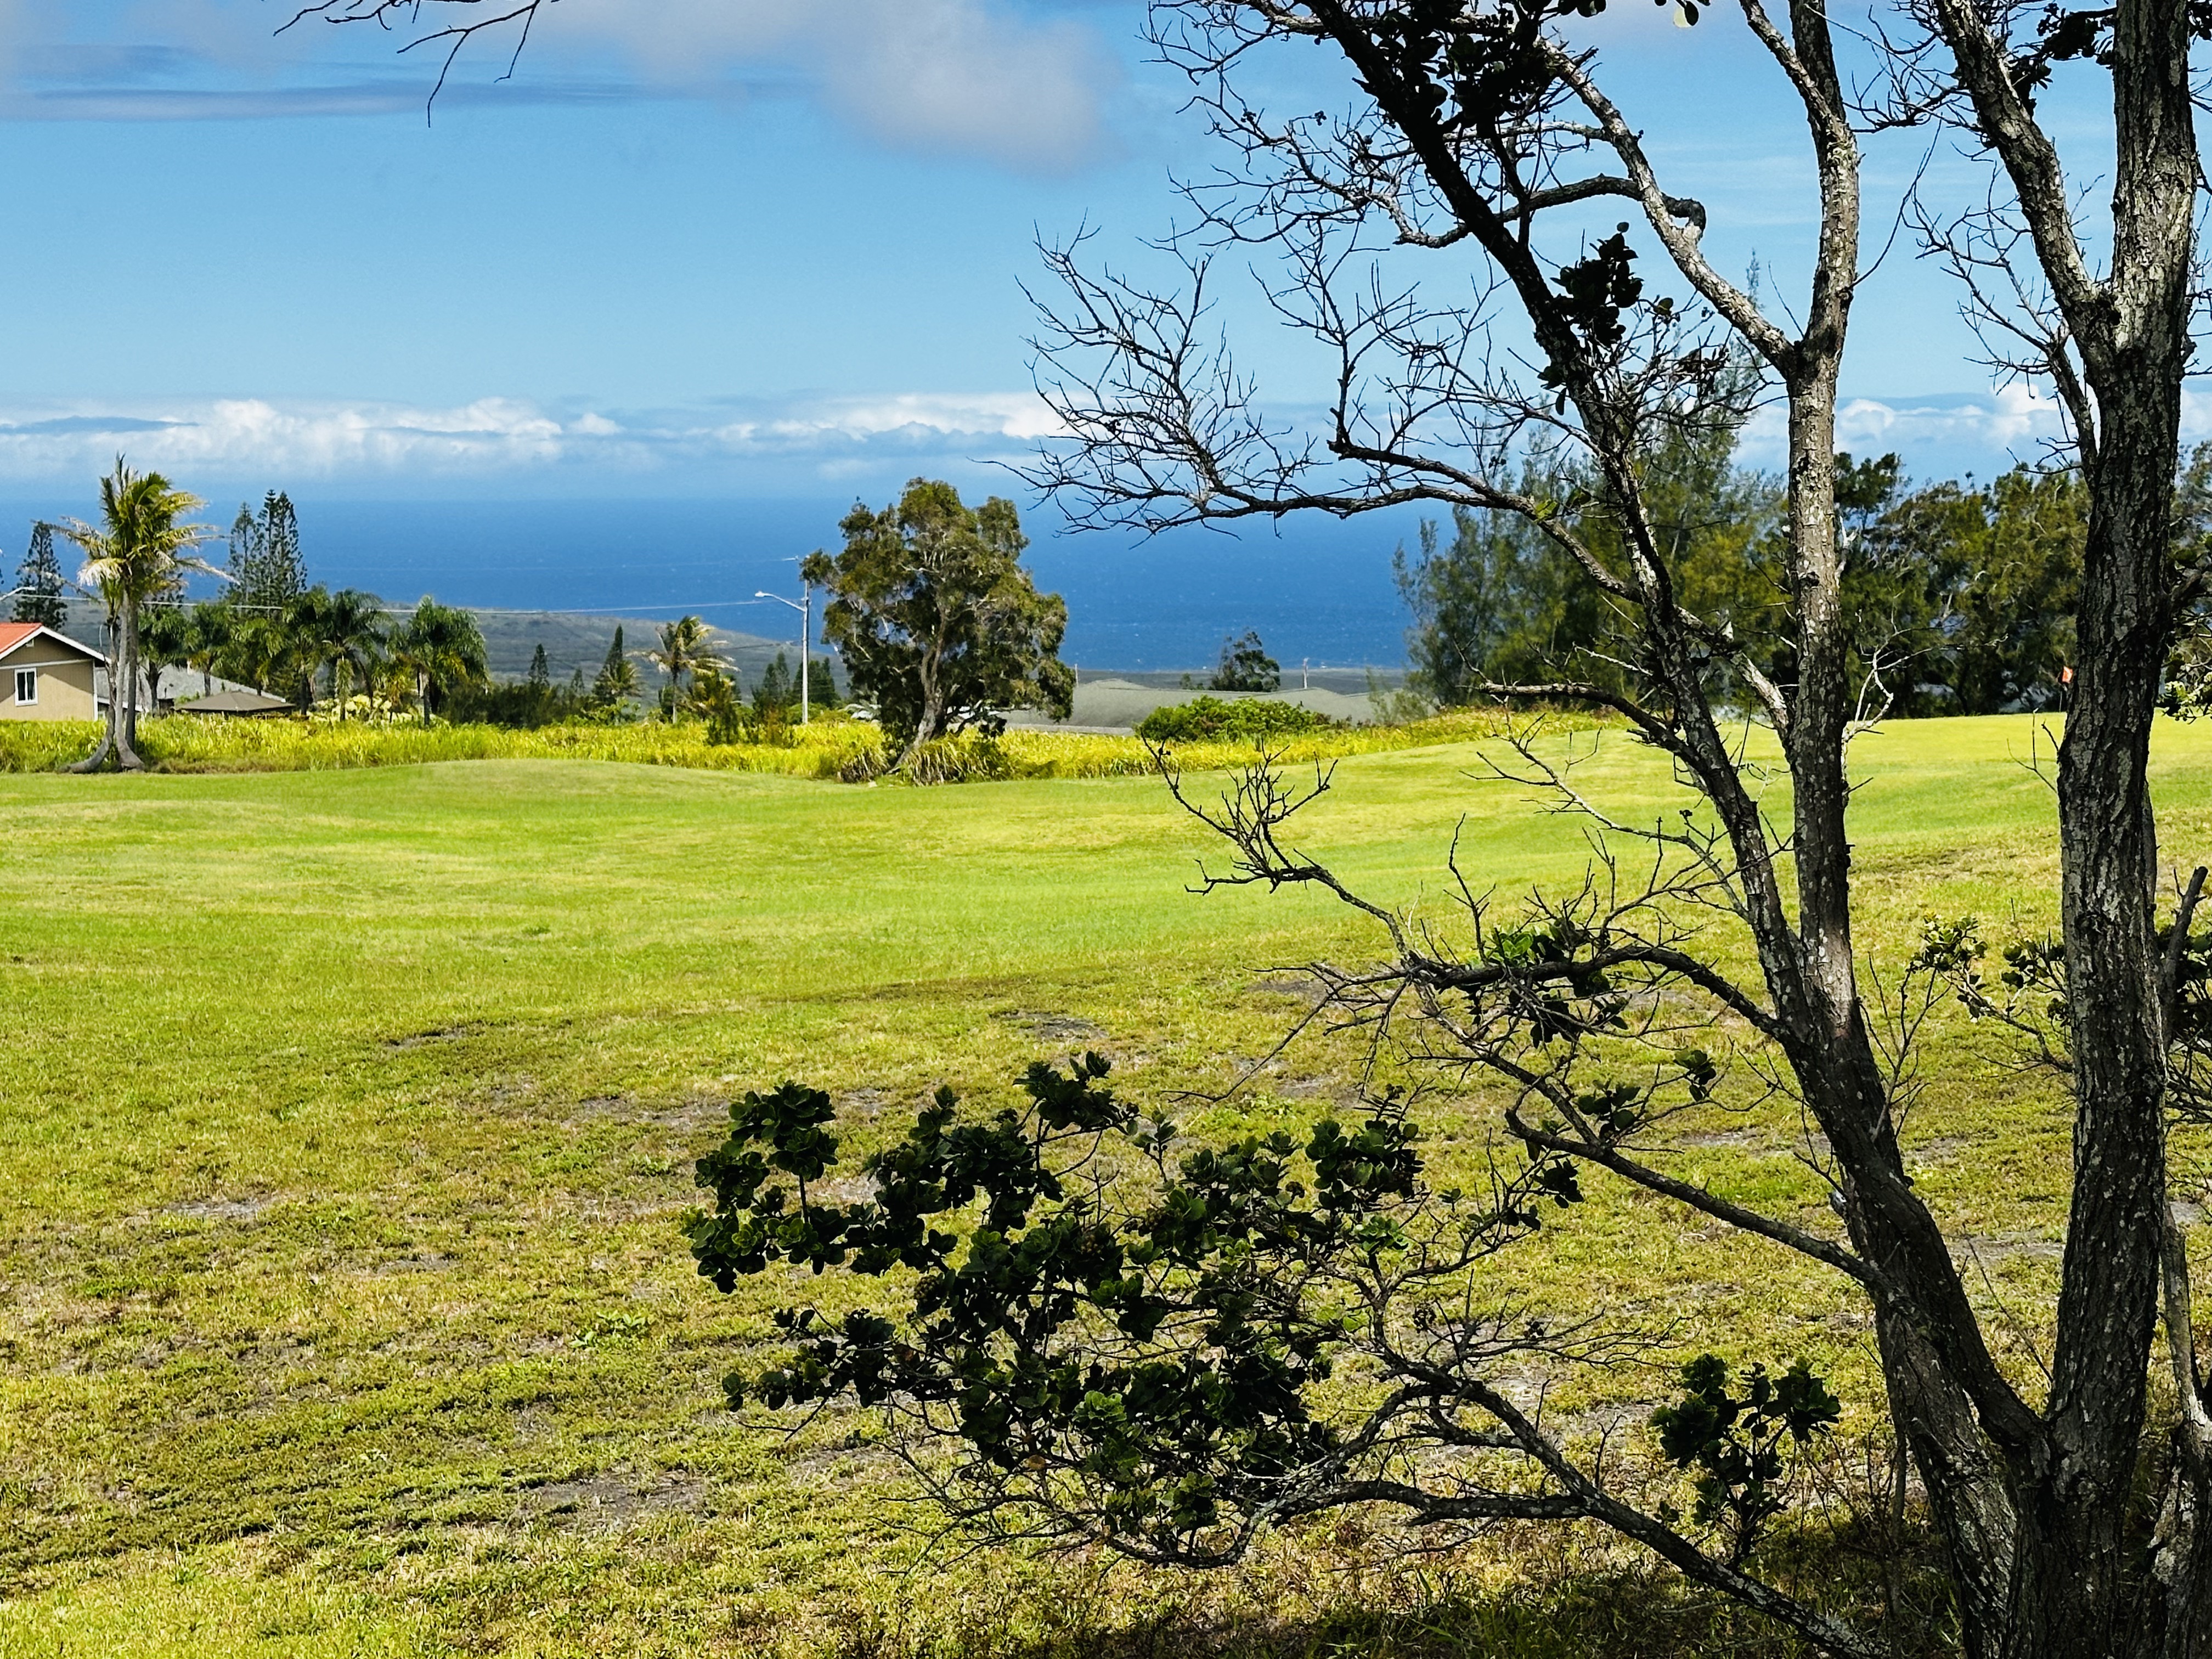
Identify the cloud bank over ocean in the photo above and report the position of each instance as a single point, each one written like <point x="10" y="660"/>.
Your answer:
<point x="497" y="445"/>
<point x="799" y="444"/>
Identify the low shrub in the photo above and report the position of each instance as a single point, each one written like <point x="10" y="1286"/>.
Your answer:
<point x="46" y="745"/>
<point x="1247" y="719"/>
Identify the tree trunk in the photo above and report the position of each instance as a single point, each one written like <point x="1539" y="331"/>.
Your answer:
<point x="98" y="758"/>
<point x="127" y="758"/>
<point x="2073" y="1598"/>
<point x="2180" y="1601"/>
<point x="931" y="724"/>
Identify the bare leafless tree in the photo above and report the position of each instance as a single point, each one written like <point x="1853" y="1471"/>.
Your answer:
<point x="1468" y="128"/>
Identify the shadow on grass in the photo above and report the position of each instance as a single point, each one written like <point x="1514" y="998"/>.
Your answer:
<point x="1562" y="1606"/>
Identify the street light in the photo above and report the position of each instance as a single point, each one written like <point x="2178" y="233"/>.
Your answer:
<point x="805" y="610"/>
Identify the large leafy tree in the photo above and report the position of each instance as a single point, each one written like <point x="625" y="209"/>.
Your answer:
<point x="939" y="625"/>
<point x="1245" y="666"/>
<point x="1987" y="581"/>
<point x="1503" y="602"/>
<point x="140" y="551"/>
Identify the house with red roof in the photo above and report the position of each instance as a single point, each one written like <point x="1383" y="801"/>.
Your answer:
<point x="45" y="675"/>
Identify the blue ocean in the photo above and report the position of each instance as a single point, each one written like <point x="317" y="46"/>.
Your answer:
<point x="1318" y="591"/>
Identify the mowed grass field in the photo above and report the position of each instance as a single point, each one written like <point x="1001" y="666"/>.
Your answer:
<point x="347" y="1121"/>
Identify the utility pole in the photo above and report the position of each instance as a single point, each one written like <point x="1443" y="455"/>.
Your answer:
<point x="805" y="606"/>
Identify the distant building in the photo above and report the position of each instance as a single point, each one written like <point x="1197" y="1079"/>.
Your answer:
<point x="236" y="702"/>
<point x="45" y="675"/>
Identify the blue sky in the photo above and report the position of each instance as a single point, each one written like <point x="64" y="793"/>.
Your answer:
<point x="766" y="248"/>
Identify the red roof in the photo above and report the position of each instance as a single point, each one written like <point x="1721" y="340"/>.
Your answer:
<point x="13" y="635"/>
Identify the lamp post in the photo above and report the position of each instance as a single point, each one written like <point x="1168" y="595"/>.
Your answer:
<point x="805" y="607"/>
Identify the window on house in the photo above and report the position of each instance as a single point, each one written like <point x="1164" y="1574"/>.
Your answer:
<point x="26" y="685"/>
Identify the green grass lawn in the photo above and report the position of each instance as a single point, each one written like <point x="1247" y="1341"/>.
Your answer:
<point x="347" y="1119"/>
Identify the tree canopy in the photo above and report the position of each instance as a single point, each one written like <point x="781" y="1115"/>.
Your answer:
<point x="1959" y="598"/>
<point x="938" y="624"/>
<point x="442" y="649"/>
<point x="1245" y="666"/>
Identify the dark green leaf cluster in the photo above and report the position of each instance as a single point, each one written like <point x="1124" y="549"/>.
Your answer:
<point x="536" y="700"/>
<point x="1968" y="593"/>
<point x="1095" y="1328"/>
<point x="1554" y="988"/>
<point x="1959" y="598"/>
<point x="1595" y="291"/>
<point x="1499" y="600"/>
<point x="1473" y="68"/>
<point x="775" y="696"/>
<point x="2030" y="985"/>
<point x="1737" y="1441"/>
<point x="2084" y="35"/>
<point x="1245" y="666"/>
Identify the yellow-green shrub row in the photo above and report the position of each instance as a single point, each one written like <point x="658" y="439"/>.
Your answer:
<point x="832" y="749"/>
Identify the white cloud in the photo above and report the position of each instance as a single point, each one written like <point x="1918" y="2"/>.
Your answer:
<point x="494" y="439"/>
<point x="1935" y="434"/>
<point x="974" y="76"/>
<point x="986" y="77"/>
<point x="1942" y="435"/>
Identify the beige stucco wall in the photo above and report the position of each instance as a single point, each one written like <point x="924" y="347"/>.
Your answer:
<point x="64" y="684"/>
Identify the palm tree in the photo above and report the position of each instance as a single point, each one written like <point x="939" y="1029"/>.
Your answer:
<point x="716" y="694"/>
<point x="355" y="639"/>
<point x="445" y="650"/>
<point x="344" y="632"/>
<point x="164" y="639"/>
<point x="306" y="626"/>
<point x="214" y="629"/>
<point x="255" y="647"/>
<point x="139" y="552"/>
<point x="686" y="647"/>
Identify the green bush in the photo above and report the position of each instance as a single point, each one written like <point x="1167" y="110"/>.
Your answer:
<point x="1247" y="719"/>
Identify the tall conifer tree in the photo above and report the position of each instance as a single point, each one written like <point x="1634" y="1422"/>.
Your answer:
<point x="617" y="681"/>
<point x="267" y="569"/>
<point x="38" y="581"/>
